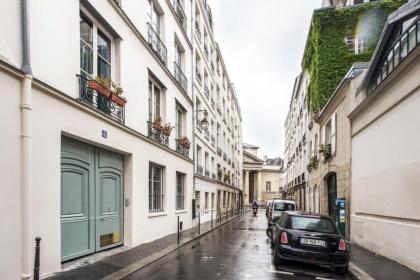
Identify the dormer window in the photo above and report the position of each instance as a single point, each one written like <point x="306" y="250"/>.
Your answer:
<point x="356" y="44"/>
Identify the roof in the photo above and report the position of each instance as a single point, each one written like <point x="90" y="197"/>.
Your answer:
<point x="274" y="161"/>
<point x="256" y="159"/>
<point x="307" y="214"/>
<point x="402" y="13"/>
<point x="249" y="146"/>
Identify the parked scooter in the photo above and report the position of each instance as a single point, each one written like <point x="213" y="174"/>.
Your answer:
<point x="254" y="210"/>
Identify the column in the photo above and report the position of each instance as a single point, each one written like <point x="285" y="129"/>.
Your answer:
<point x="259" y="187"/>
<point x="246" y="188"/>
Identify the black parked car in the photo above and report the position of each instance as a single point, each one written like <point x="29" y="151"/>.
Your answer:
<point x="309" y="238"/>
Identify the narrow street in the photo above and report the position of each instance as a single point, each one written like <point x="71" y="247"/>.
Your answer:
<point x="238" y="250"/>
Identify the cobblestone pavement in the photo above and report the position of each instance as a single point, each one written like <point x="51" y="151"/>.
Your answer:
<point x="238" y="250"/>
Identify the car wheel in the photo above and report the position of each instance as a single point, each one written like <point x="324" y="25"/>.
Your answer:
<point x="269" y="233"/>
<point x="277" y="260"/>
<point x="341" y="270"/>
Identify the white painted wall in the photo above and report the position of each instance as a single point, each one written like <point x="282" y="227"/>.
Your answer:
<point x="10" y="171"/>
<point x="385" y="171"/>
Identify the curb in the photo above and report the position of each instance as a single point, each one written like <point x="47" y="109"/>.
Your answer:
<point x="125" y="271"/>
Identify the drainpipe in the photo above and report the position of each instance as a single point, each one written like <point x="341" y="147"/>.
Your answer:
<point x="192" y="95"/>
<point x="26" y="145"/>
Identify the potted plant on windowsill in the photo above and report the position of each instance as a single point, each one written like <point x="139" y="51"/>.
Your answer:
<point x="325" y="149"/>
<point x="226" y="177"/>
<point x="157" y="124"/>
<point x="167" y="129"/>
<point x="101" y="85"/>
<point x="185" y="142"/>
<point x="219" y="174"/>
<point x="116" y="95"/>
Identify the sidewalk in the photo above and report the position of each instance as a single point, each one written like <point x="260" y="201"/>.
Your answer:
<point x="365" y="265"/>
<point x="137" y="257"/>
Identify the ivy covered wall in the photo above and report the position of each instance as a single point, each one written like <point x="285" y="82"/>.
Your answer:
<point x="327" y="57"/>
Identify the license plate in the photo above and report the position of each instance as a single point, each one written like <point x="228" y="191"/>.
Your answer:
<point x="312" y="242"/>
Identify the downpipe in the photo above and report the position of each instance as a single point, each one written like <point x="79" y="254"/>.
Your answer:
<point x="26" y="146"/>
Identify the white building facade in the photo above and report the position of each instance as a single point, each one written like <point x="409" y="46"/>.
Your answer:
<point x="218" y="149"/>
<point x="85" y="169"/>
<point x="385" y="155"/>
<point x="296" y="146"/>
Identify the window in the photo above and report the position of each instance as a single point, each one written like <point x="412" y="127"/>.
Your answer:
<point x="197" y="201"/>
<point x="154" y="16"/>
<point x="224" y="198"/>
<point x="179" y="121"/>
<point x="154" y="101"/>
<point x="268" y="186"/>
<point x="179" y="55"/>
<point x="333" y="138"/>
<point x="212" y="201"/>
<point x="180" y="191"/>
<point x="95" y="49"/>
<point x="312" y="224"/>
<point x="156" y="191"/>
<point x="206" y="201"/>
<point x="356" y="45"/>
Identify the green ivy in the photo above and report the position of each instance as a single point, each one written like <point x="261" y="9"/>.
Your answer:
<point x="327" y="58"/>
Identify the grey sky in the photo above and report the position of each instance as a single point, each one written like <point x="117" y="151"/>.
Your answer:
<point x="262" y="44"/>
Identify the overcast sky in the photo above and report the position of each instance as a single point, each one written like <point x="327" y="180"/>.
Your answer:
<point x="262" y="44"/>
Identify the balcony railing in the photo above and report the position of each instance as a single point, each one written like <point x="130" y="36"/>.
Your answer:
<point x="406" y="43"/>
<point x="180" y="77"/>
<point x="156" y="43"/>
<point x="100" y="102"/>
<point x="200" y="170"/>
<point x="206" y="91"/>
<point x="182" y="150"/>
<point x="155" y="133"/>
<point x="219" y="151"/>
<point x="180" y="14"/>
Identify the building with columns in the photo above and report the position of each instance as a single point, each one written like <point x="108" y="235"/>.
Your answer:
<point x="263" y="178"/>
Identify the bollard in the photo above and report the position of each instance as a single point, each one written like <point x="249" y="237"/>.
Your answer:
<point x="211" y="219"/>
<point x="37" y="263"/>
<point x="178" y="228"/>
<point x="199" y="224"/>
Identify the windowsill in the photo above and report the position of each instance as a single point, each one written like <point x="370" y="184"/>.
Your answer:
<point x="181" y="211"/>
<point x="157" y="214"/>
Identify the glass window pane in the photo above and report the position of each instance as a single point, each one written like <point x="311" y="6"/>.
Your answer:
<point x="104" y="46"/>
<point x="412" y="38"/>
<point x="396" y="54"/>
<point x="86" y="31"/>
<point x="104" y="69"/>
<point x="404" y="46"/>
<point x="86" y="59"/>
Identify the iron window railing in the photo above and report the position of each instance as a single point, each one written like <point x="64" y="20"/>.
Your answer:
<point x="180" y="14"/>
<point x="156" y="203"/>
<point x="182" y="150"/>
<point x="100" y="102"/>
<point x="200" y="169"/>
<point x="155" y="133"/>
<point x="156" y="43"/>
<point x="405" y="44"/>
<point x="180" y="77"/>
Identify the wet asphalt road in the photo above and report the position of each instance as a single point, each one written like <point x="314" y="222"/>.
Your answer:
<point x="238" y="250"/>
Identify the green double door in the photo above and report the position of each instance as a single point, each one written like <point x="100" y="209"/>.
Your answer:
<point x="91" y="199"/>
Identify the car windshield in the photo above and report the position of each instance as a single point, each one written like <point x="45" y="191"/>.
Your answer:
<point x="312" y="224"/>
<point x="284" y="206"/>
